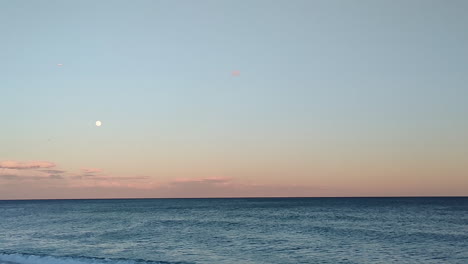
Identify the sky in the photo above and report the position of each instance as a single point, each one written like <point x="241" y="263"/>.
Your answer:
<point x="233" y="98"/>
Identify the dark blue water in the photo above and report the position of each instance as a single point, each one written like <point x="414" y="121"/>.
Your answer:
<point x="295" y="230"/>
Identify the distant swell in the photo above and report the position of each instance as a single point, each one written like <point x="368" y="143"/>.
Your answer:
<point x="16" y="258"/>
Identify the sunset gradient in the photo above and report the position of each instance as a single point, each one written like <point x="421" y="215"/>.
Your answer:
<point x="233" y="98"/>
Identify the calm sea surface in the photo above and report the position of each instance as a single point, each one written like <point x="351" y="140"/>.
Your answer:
<point x="293" y="230"/>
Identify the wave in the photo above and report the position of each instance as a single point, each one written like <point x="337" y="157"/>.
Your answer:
<point x="17" y="258"/>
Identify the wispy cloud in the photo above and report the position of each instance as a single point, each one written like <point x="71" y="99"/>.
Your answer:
<point x="42" y="177"/>
<point x="96" y="177"/>
<point x="91" y="170"/>
<point x="54" y="171"/>
<point x="25" y="177"/>
<point x="29" y="170"/>
<point x="9" y="164"/>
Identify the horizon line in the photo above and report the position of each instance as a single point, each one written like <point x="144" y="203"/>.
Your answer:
<point x="247" y="197"/>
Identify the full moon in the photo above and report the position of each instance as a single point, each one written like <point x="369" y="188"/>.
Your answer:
<point x="98" y="123"/>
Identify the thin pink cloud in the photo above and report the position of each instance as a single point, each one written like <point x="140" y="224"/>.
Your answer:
<point x="17" y="165"/>
<point x="35" y="177"/>
<point x="15" y="174"/>
<point x="11" y="170"/>
<point x="91" y="170"/>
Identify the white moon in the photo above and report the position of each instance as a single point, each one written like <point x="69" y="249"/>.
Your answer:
<point x="98" y="123"/>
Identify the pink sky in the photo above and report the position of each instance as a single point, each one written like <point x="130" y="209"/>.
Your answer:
<point x="47" y="180"/>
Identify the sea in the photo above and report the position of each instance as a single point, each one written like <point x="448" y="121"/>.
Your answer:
<point x="235" y="231"/>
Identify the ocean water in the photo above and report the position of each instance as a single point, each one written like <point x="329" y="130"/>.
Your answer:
<point x="222" y="231"/>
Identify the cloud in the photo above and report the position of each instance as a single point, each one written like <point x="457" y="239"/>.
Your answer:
<point x="54" y="171"/>
<point x="88" y="173"/>
<point x="55" y="177"/>
<point x="16" y="174"/>
<point x="28" y="170"/>
<point x="30" y="173"/>
<point x="91" y="170"/>
<point x="9" y="164"/>
<point x="94" y="177"/>
<point x="19" y="177"/>
<point x="130" y="178"/>
<point x="32" y="178"/>
<point x="96" y="174"/>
